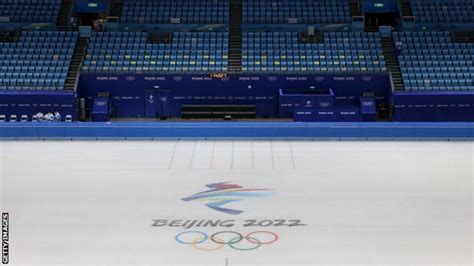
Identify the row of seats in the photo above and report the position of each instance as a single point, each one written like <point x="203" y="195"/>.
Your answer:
<point x="296" y="11"/>
<point x="189" y="51"/>
<point x="262" y="52"/>
<point x="254" y="11"/>
<point x="30" y="10"/>
<point x="180" y="11"/>
<point x="443" y="11"/>
<point x="38" y="61"/>
<point x="340" y="52"/>
<point x="432" y="61"/>
<point x="25" y="118"/>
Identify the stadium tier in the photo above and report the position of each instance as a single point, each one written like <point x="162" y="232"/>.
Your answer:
<point x="432" y="61"/>
<point x="123" y="52"/>
<point x="340" y="52"/>
<point x="407" y="60"/>
<point x="38" y="61"/>
<point x="295" y="11"/>
<point x="30" y="10"/>
<point x="180" y="11"/>
<point x="443" y="11"/>
<point x="201" y="52"/>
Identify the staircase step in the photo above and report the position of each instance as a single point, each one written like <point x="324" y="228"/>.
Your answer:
<point x="75" y="65"/>
<point x="235" y="36"/>
<point x="392" y="62"/>
<point x="64" y="14"/>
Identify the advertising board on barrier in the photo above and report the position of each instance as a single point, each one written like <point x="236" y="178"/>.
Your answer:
<point x="334" y="114"/>
<point x="433" y="106"/>
<point x="128" y="91"/>
<point x="30" y="103"/>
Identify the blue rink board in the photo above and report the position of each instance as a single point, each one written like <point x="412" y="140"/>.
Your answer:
<point x="238" y="130"/>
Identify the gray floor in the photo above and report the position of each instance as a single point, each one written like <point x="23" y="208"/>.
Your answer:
<point x="362" y="203"/>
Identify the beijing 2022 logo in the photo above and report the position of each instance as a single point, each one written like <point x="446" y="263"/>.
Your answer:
<point x="221" y="194"/>
<point x="217" y="234"/>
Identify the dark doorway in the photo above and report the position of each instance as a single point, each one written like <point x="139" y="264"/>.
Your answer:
<point x="87" y="19"/>
<point x="374" y="20"/>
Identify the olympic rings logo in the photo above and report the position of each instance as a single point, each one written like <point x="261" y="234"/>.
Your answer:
<point x="367" y="78"/>
<point x="234" y="240"/>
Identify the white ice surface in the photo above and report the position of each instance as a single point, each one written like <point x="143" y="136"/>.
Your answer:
<point x="365" y="203"/>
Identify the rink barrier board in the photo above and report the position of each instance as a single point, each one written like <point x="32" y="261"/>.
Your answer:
<point x="237" y="130"/>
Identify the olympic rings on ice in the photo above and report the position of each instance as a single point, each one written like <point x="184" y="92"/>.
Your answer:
<point x="235" y="240"/>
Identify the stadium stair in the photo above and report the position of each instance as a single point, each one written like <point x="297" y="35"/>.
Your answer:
<point x="355" y="7"/>
<point x="64" y="14"/>
<point x="391" y="62"/>
<point x="463" y="36"/>
<point x="235" y="36"/>
<point x="405" y="7"/>
<point x="117" y="8"/>
<point x="76" y="63"/>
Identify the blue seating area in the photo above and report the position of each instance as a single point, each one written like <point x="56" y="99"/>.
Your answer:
<point x="39" y="61"/>
<point x="30" y="10"/>
<point x="129" y="52"/>
<point x="296" y="11"/>
<point x="432" y="61"/>
<point x="340" y="52"/>
<point x="443" y="11"/>
<point x="179" y="11"/>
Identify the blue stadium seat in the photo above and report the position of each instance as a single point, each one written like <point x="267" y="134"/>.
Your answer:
<point x="38" y="61"/>
<point x="432" y="61"/>
<point x="340" y="52"/>
<point x="129" y="52"/>
<point x="30" y="10"/>
<point x="182" y="11"/>
<point x="296" y="11"/>
<point x="443" y="11"/>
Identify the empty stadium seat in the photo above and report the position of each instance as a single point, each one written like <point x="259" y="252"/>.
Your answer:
<point x="38" y="61"/>
<point x="13" y="118"/>
<point x="432" y="61"/>
<point x="443" y="11"/>
<point x="129" y="52"/>
<point x="30" y="10"/>
<point x="296" y="11"/>
<point x="181" y="11"/>
<point x="340" y="52"/>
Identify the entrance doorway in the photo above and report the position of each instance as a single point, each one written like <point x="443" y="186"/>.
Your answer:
<point x="374" y="20"/>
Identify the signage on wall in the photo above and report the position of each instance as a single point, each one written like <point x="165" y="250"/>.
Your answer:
<point x="90" y="6"/>
<point x="218" y="75"/>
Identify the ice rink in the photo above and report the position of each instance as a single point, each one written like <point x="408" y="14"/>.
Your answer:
<point x="238" y="202"/>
